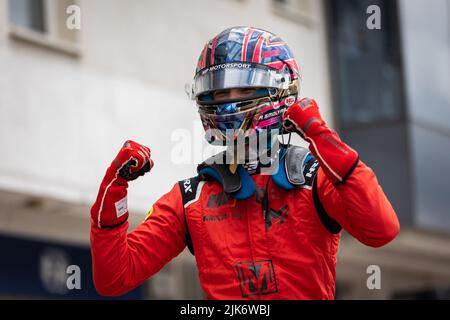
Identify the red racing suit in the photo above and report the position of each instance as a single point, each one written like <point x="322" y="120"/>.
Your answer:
<point x="277" y="244"/>
<point x="278" y="241"/>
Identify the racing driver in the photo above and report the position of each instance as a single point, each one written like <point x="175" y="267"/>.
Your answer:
<point x="258" y="229"/>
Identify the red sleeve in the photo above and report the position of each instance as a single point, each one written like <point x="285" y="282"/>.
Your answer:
<point x="360" y="206"/>
<point x="123" y="261"/>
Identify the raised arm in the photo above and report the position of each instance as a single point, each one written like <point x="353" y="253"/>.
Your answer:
<point x="121" y="260"/>
<point x="346" y="188"/>
<point x="360" y="206"/>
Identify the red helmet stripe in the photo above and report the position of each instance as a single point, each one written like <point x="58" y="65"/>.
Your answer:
<point x="257" y="53"/>
<point x="276" y="64"/>
<point x="213" y="48"/>
<point x="268" y="54"/>
<point x="248" y="34"/>
<point x="279" y="64"/>
<point x="205" y="50"/>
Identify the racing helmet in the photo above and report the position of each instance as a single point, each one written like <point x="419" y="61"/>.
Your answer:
<point x="244" y="58"/>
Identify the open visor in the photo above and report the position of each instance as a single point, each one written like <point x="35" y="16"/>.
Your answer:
<point x="238" y="75"/>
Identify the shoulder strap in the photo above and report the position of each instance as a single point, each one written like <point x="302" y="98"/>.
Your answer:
<point x="294" y="163"/>
<point x="215" y="167"/>
<point x="329" y="223"/>
<point x="190" y="192"/>
<point x="239" y="184"/>
<point x="297" y="168"/>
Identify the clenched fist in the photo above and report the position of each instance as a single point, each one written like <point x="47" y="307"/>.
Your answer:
<point x="335" y="157"/>
<point x="110" y="208"/>
<point x="133" y="160"/>
<point x="303" y="117"/>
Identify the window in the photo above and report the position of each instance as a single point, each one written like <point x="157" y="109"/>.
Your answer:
<point x="368" y="94"/>
<point x="27" y="14"/>
<point x="43" y="22"/>
<point x="366" y="63"/>
<point x="299" y="11"/>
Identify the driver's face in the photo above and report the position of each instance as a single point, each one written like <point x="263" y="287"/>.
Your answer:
<point x="229" y="94"/>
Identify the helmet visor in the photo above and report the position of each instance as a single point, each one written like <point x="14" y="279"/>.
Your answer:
<point x="238" y="75"/>
<point x="229" y="120"/>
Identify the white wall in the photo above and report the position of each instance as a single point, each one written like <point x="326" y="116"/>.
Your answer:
<point x="63" y="119"/>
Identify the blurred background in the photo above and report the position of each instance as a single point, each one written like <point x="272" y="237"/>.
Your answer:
<point x="69" y="98"/>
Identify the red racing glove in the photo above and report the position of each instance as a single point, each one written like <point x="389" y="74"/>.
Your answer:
<point x="335" y="157"/>
<point x="110" y="209"/>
